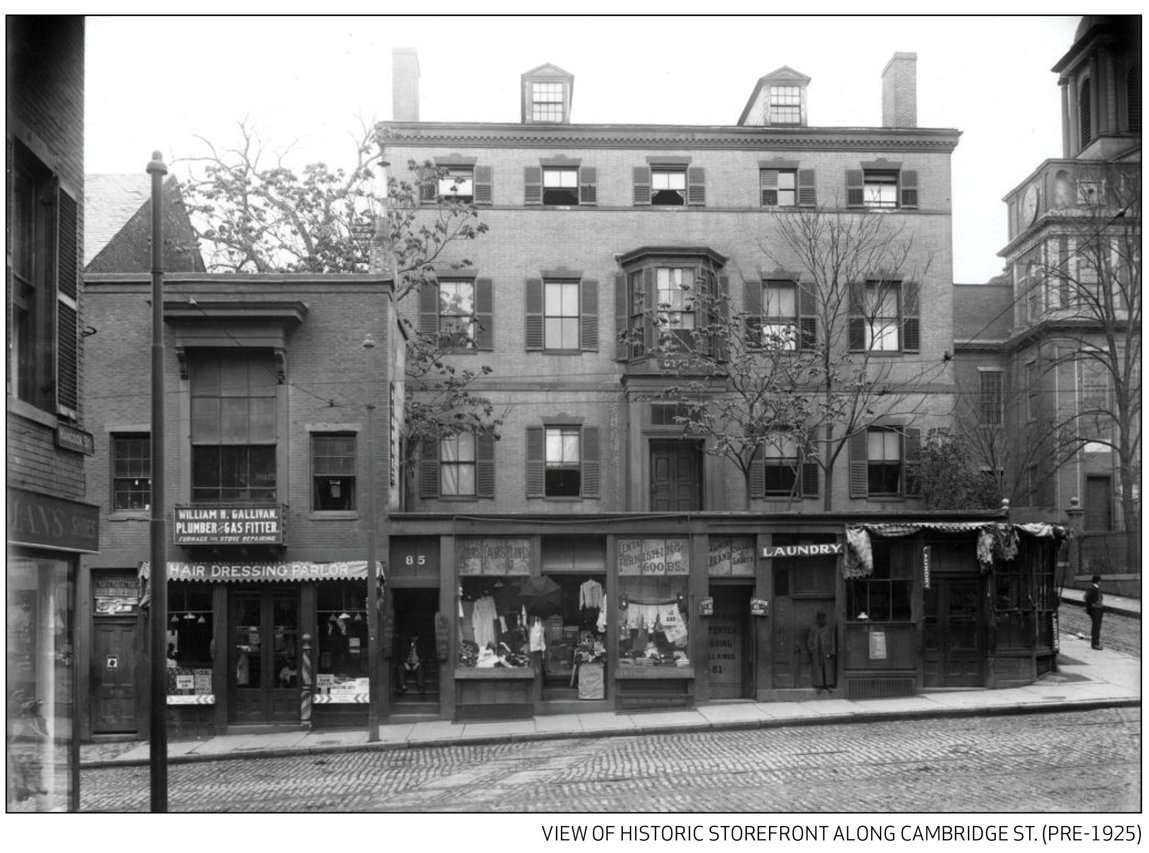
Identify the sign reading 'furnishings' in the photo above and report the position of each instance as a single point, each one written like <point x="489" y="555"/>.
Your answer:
<point x="229" y="525"/>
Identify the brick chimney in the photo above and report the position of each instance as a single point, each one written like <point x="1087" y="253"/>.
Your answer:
<point x="404" y="84"/>
<point x="900" y="91"/>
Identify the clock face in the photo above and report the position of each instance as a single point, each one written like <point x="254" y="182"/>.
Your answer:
<point x="1029" y="205"/>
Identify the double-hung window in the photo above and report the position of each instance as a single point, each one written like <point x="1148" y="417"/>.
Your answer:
<point x="781" y="465"/>
<point x="884" y="316"/>
<point x="780" y="315"/>
<point x="131" y="472"/>
<point x="457" y="312"/>
<point x="563" y="462"/>
<point x="881" y="185"/>
<point x="561" y="317"/>
<point x="884" y="462"/>
<point x="880" y="189"/>
<point x="546" y="102"/>
<point x="233" y="426"/>
<point x="779" y="187"/>
<point x="668" y="185"/>
<point x="561" y="186"/>
<point x="457" y="182"/>
<point x="333" y="463"/>
<point x="785" y="105"/>
<point x="989" y="397"/>
<point x="457" y="465"/>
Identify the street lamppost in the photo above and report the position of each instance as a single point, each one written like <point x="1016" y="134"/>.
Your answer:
<point x="373" y="645"/>
<point x="157" y="731"/>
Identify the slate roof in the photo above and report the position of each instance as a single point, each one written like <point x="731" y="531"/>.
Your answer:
<point x="109" y="202"/>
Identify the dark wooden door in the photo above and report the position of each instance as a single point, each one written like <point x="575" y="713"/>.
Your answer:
<point x="1098" y="503"/>
<point x="729" y="647"/>
<point x="954" y="648"/>
<point x="113" y="676"/>
<point x="263" y="669"/>
<point x="675" y="476"/>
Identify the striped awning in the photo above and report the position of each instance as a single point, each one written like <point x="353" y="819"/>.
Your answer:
<point x="286" y="571"/>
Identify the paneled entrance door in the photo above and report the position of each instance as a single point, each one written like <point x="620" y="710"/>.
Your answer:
<point x="730" y="649"/>
<point x="803" y="588"/>
<point x="263" y="665"/>
<point x="113" y="676"/>
<point x="675" y="476"/>
<point x="954" y="645"/>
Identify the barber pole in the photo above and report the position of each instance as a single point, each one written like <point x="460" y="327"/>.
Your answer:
<point x="305" y="684"/>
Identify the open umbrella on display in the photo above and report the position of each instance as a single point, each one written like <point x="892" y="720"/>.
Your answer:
<point x="541" y="596"/>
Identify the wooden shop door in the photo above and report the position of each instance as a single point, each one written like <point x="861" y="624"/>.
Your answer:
<point x="954" y="649"/>
<point x="263" y="664"/>
<point x="730" y="649"/>
<point x="113" y="690"/>
<point x="675" y="476"/>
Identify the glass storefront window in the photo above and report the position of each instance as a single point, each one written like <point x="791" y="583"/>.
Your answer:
<point x="885" y="595"/>
<point x="40" y="682"/>
<point x="191" y="649"/>
<point x="493" y="623"/>
<point x="341" y="638"/>
<point x="653" y="587"/>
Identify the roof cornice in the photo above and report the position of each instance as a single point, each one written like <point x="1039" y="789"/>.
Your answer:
<point x="509" y="135"/>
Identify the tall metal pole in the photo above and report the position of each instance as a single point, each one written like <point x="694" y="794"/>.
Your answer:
<point x="158" y="735"/>
<point x="374" y="697"/>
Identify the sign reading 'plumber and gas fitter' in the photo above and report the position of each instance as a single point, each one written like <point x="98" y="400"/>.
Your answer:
<point x="802" y="550"/>
<point x="245" y="524"/>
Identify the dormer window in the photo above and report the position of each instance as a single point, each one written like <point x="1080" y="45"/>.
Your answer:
<point x="547" y="102"/>
<point x="785" y="105"/>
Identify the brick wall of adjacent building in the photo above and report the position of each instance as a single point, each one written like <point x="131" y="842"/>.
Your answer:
<point x="45" y="84"/>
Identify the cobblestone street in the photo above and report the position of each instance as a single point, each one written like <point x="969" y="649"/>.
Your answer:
<point x="1079" y="762"/>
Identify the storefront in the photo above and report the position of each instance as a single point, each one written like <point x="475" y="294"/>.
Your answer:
<point x="46" y="535"/>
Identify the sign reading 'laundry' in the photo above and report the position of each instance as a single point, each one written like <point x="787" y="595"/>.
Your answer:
<point x="801" y="550"/>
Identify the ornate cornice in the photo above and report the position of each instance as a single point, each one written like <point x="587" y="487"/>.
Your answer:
<point x="399" y="134"/>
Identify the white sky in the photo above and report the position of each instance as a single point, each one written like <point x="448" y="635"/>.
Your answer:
<point x="157" y="83"/>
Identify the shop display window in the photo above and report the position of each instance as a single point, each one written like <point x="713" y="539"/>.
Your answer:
<point x="1013" y="604"/>
<point x="190" y="647"/>
<point x="341" y="638"/>
<point x="573" y="625"/>
<point x="653" y="586"/>
<point x="40" y="682"/>
<point x="493" y="623"/>
<point x="885" y="595"/>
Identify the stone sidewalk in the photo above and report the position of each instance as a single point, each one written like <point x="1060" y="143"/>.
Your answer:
<point x="1086" y="679"/>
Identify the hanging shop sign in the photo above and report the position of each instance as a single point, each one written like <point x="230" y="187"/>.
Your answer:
<point x="706" y="607"/>
<point x="653" y="556"/>
<point x="242" y="524"/>
<point x="70" y="438"/>
<point x="36" y="519"/>
<point x="759" y="607"/>
<point x="731" y="556"/>
<point x="295" y="570"/>
<point x="493" y="556"/>
<point x="926" y="566"/>
<point x="115" y="593"/>
<point x="802" y="550"/>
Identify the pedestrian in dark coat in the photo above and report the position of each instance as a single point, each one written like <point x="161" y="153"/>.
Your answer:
<point x="1094" y="608"/>
<point x="822" y="644"/>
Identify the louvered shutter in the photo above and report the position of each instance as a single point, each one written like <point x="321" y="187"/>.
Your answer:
<point x="588" y="316"/>
<point x="911" y="322"/>
<point x="429" y="469"/>
<point x="909" y="189"/>
<point x="855" y="188"/>
<point x="484" y="185"/>
<point x="485" y="464"/>
<point x="807" y="192"/>
<point x="758" y="474"/>
<point x="859" y="466"/>
<point x="429" y="309"/>
<point x="649" y="308"/>
<point x="696" y="185"/>
<point x="621" y="319"/>
<point x="912" y="453"/>
<point x="587" y="185"/>
<point x="533" y="185"/>
<point x="752" y="307"/>
<point x="809" y="479"/>
<point x="428" y="187"/>
<point x="484" y="314"/>
<point x="534" y="314"/>
<point x="769" y="185"/>
<point x="536" y="462"/>
<point x="642" y="185"/>
<point x="67" y="306"/>
<point x="807" y="316"/>
<point x="591" y="465"/>
<point x="856" y="322"/>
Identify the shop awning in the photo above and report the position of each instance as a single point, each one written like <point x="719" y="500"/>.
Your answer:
<point x="287" y="571"/>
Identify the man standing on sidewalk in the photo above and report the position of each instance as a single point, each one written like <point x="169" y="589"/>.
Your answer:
<point x="1094" y="607"/>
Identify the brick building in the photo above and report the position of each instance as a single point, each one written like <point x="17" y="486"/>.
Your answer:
<point x="651" y="570"/>
<point x="49" y="525"/>
<point x="1050" y="351"/>
<point x="277" y="422"/>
